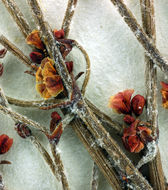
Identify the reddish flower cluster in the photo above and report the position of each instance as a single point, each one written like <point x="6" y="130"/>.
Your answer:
<point x="137" y="134"/>
<point x="55" y="128"/>
<point x="48" y="82"/>
<point x="164" y="92"/>
<point x="122" y="103"/>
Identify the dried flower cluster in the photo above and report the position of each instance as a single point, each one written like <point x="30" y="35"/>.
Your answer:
<point x="138" y="134"/>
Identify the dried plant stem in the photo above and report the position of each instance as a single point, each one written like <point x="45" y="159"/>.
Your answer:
<point x="81" y="109"/>
<point x="95" y="177"/>
<point x="23" y="119"/>
<point x="68" y="16"/>
<point x="60" y="167"/>
<point x="46" y="156"/>
<point x="155" y="166"/>
<point x="97" y="154"/>
<point x="37" y="104"/>
<point x="105" y="118"/>
<point x="140" y="34"/>
<point x="87" y="74"/>
<point x="17" y="16"/>
<point x="16" y="52"/>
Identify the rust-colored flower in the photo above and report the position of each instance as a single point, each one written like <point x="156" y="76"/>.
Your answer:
<point x="48" y="82"/>
<point x="34" y="39"/>
<point x="36" y="57"/>
<point x="136" y="136"/>
<point x="121" y="102"/>
<point x="5" y="143"/>
<point x="137" y="104"/>
<point x="164" y="92"/>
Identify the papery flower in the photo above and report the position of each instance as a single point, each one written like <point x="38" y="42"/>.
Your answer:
<point x="34" y="39"/>
<point x="164" y="92"/>
<point x="121" y="102"/>
<point x="48" y="82"/>
<point x="36" y="57"/>
<point x="136" y="136"/>
<point x="5" y="143"/>
<point x="137" y="104"/>
<point x="55" y="128"/>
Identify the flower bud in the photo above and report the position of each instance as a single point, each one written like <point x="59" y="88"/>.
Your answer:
<point x="137" y="104"/>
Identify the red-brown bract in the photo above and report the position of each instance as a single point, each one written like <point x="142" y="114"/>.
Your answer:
<point x="5" y="143"/>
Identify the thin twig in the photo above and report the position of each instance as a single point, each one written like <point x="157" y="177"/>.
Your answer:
<point x="68" y="16"/>
<point x="82" y="110"/>
<point x="37" y="104"/>
<point x="16" y="52"/>
<point x="18" y="17"/>
<point x="23" y="119"/>
<point x="95" y="177"/>
<point x="97" y="154"/>
<point x="60" y="167"/>
<point x="148" y="20"/>
<point x="141" y="36"/>
<point x="87" y="74"/>
<point x="45" y="155"/>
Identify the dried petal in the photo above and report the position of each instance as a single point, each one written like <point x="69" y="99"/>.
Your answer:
<point x="3" y="53"/>
<point x="164" y="86"/>
<point x="22" y="130"/>
<point x="36" y="57"/>
<point x="137" y="104"/>
<point x="47" y="67"/>
<point x="139" y="147"/>
<point x="129" y="119"/>
<point x="69" y="66"/>
<point x="5" y="143"/>
<point x="56" y="134"/>
<point x="133" y="142"/>
<point x="54" y="85"/>
<point x="39" y="76"/>
<point x="59" y="33"/>
<point x="34" y="39"/>
<point x="66" y="46"/>
<point x="121" y="101"/>
<point x="55" y="115"/>
<point x="41" y="89"/>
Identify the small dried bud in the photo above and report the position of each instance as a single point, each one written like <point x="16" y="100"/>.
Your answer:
<point x="59" y="33"/>
<point x="5" y="143"/>
<point x="137" y="104"/>
<point x="22" y="130"/>
<point x="36" y="57"/>
<point x="129" y="119"/>
<point x="69" y="66"/>
<point x="3" y="53"/>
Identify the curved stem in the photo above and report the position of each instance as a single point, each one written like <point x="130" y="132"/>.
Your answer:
<point x="87" y="74"/>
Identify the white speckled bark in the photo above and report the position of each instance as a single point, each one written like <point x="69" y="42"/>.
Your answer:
<point x="117" y="63"/>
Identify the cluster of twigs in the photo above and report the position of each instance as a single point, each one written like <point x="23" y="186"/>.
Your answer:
<point x="91" y="122"/>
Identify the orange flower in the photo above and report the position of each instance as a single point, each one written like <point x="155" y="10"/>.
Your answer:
<point x="34" y="39"/>
<point x="48" y="82"/>
<point x="121" y="101"/>
<point x="136" y="136"/>
<point x="164" y="92"/>
<point x="5" y="143"/>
